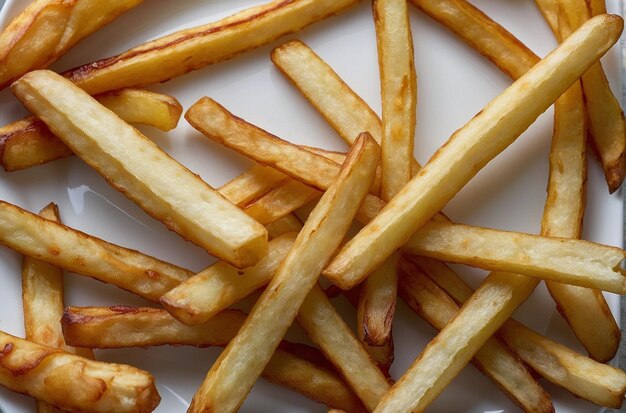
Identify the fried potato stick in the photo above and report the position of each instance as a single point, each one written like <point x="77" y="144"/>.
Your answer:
<point x="29" y="142"/>
<point x="233" y="374"/>
<point x="472" y="147"/>
<point x="138" y="168"/>
<point x="47" y="29"/>
<point x="74" y="383"/>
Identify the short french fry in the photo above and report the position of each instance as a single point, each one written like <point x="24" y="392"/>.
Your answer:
<point x="139" y="169"/>
<point x="288" y="223"/>
<point x="473" y="146"/>
<point x="74" y="383"/>
<point x="233" y="374"/>
<point x="252" y="184"/>
<point x="186" y="50"/>
<point x="493" y="359"/>
<point x="219" y="286"/>
<point x="29" y="142"/>
<point x="593" y="381"/>
<point x="281" y="201"/>
<point x="47" y="29"/>
<point x="120" y="327"/>
<point x="76" y="251"/>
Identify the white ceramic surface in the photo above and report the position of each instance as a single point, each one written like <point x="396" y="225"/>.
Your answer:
<point x="454" y="83"/>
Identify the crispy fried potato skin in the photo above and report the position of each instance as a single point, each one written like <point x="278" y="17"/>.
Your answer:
<point x="187" y="50"/>
<point x="47" y="29"/>
<point x="74" y="383"/>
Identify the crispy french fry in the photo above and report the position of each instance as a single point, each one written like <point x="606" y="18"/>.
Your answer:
<point x="252" y="184"/>
<point x="42" y="299"/>
<point x="75" y="251"/>
<point x="281" y="201"/>
<point x="473" y="146"/>
<point x="233" y="374"/>
<point x="74" y="383"/>
<point x="593" y="381"/>
<point x="47" y="29"/>
<point x="328" y="330"/>
<point x="549" y="10"/>
<point x="186" y="50"/>
<point x="493" y="359"/>
<point x="219" y="286"/>
<point x="139" y="169"/>
<point x="29" y="142"/>
<point x="120" y="327"/>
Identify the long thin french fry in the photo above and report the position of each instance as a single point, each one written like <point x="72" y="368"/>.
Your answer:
<point x="138" y="168"/>
<point x="473" y="146"/>
<point x="494" y="360"/>
<point x="121" y="327"/>
<point x="239" y="365"/>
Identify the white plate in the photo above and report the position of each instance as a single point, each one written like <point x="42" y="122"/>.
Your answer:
<point x="454" y="84"/>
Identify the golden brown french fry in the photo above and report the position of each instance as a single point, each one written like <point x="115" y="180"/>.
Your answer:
<point x="549" y="10"/>
<point x="233" y="374"/>
<point x="186" y="50"/>
<point x="47" y="29"/>
<point x="252" y="184"/>
<point x="494" y="360"/>
<point x="585" y="310"/>
<point x="120" y="327"/>
<point x="328" y="330"/>
<point x="29" y="142"/>
<point x="596" y="7"/>
<point x="221" y="285"/>
<point x="473" y="146"/>
<point x="139" y="169"/>
<point x="281" y="201"/>
<point x="586" y="378"/>
<point x="76" y="251"/>
<point x="74" y="383"/>
<point x="42" y="300"/>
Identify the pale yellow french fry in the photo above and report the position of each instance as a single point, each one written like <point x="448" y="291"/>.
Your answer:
<point x="138" y="168"/>
<point x="47" y="29"/>
<point x="288" y="223"/>
<point x="74" y="383"/>
<point x="586" y="378"/>
<point x="76" y="251"/>
<point x="473" y="146"/>
<point x="121" y="327"/>
<point x="252" y="184"/>
<point x="221" y="285"/>
<point x="493" y="359"/>
<point x="233" y="374"/>
<point x="29" y="142"/>
<point x="190" y="49"/>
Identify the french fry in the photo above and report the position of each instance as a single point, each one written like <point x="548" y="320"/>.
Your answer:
<point x="186" y="50"/>
<point x="549" y="10"/>
<point x="139" y="169"/>
<point x="29" y="142"/>
<point x="120" y="327"/>
<point x="252" y="184"/>
<point x="493" y="359"/>
<point x="219" y="286"/>
<point x="76" y="251"/>
<point x="42" y="300"/>
<point x="472" y="147"/>
<point x="596" y="7"/>
<point x="288" y="223"/>
<point x="47" y="29"/>
<point x="233" y="374"/>
<point x="586" y="378"/>
<point x="74" y="383"/>
<point x="281" y="201"/>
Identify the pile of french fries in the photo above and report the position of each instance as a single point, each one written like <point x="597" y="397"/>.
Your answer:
<point x="281" y="231"/>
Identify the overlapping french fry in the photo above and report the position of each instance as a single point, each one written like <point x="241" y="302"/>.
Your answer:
<point x="139" y="169"/>
<point x="233" y="374"/>
<point x="29" y="142"/>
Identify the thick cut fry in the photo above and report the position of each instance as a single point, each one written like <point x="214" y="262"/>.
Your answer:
<point x="473" y="146"/>
<point x="47" y="29"/>
<point x="139" y="169"/>
<point x="235" y="371"/>
<point x="221" y="285"/>
<point x="120" y="327"/>
<point x="596" y="382"/>
<point x="76" y="251"/>
<point x="29" y="142"/>
<point x="281" y="201"/>
<point x="42" y="299"/>
<point x="493" y="359"/>
<point x="328" y="330"/>
<point x="181" y="52"/>
<point x="74" y="383"/>
<point x="252" y="184"/>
